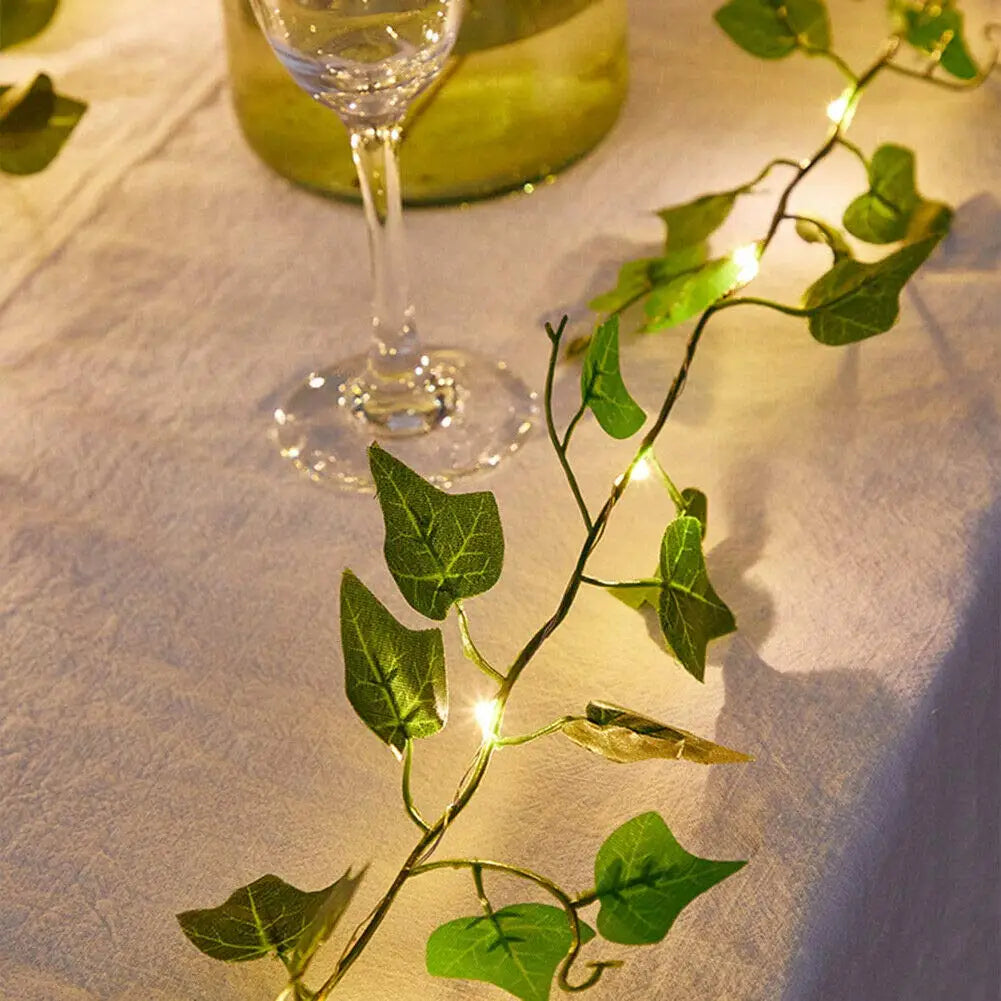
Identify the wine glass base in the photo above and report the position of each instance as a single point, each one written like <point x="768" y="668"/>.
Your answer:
<point x="460" y="413"/>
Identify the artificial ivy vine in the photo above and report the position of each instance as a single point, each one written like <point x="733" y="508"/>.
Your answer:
<point x="443" y="550"/>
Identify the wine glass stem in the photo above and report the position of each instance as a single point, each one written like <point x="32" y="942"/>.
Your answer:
<point x="375" y="150"/>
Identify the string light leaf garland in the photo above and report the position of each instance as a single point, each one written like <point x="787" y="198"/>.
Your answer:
<point x="891" y="210"/>
<point x="395" y="679"/>
<point x="683" y="281"/>
<point x="444" y="549"/>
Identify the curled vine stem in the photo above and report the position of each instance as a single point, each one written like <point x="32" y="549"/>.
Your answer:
<point x="597" y="968"/>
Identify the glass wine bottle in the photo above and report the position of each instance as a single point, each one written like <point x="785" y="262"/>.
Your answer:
<point x="531" y="86"/>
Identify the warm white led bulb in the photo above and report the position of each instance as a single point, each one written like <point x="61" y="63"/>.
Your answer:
<point x="641" y="471"/>
<point x="841" y="110"/>
<point x="485" y="712"/>
<point x="746" y="259"/>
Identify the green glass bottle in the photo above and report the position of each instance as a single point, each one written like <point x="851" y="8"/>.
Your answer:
<point x="531" y="86"/>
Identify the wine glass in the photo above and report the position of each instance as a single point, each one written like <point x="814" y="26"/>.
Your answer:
<point x="448" y="412"/>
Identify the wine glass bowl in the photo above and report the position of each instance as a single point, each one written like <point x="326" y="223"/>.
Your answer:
<point x="449" y="412"/>
<point x="366" y="59"/>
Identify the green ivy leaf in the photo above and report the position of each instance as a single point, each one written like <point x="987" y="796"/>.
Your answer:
<point x="683" y="281"/>
<point x="633" y="282"/>
<point x="771" y="29"/>
<point x="756" y="27"/>
<point x="439" y="547"/>
<point x="689" y="294"/>
<point x="517" y="948"/>
<point x="883" y="214"/>
<point x="324" y="921"/>
<point x="270" y="917"/>
<point x="809" y="19"/>
<point x="694" y="504"/>
<point x="644" y="879"/>
<point x="602" y="388"/>
<point x="690" y="224"/>
<point x="624" y="736"/>
<point x="35" y="122"/>
<point x="814" y="231"/>
<point x="937" y="27"/>
<point x="691" y="613"/>
<point x="23" y="19"/>
<point x="856" y="300"/>
<point x="638" y="277"/>
<point x="677" y="261"/>
<point x="394" y="676"/>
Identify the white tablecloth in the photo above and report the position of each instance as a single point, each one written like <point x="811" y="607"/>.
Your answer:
<point x="173" y="723"/>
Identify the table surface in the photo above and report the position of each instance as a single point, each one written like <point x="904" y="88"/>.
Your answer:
<point x="173" y="723"/>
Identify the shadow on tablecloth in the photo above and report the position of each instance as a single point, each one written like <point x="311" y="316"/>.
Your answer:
<point x="924" y="921"/>
<point x="892" y="872"/>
